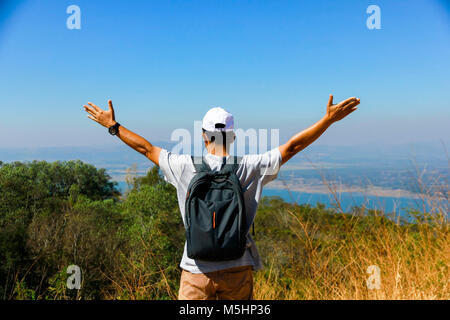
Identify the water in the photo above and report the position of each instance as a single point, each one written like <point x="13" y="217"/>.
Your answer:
<point x="122" y="186"/>
<point x="346" y="200"/>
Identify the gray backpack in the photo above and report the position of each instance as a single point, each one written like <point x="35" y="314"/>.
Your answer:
<point x="215" y="213"/>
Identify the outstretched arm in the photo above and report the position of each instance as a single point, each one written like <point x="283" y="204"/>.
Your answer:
<point x="107" y="119"/>
<point x="301" y="140"/>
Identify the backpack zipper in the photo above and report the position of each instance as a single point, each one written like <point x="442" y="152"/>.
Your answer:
<point x="187" y="198"/>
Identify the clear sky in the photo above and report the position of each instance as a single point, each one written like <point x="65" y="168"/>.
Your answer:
<point x="271" y="63"/>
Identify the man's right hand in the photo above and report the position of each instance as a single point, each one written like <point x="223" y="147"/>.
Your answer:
<point x="105" y="117"/>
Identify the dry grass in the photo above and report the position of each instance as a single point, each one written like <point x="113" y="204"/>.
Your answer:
<point x="329" y="262"/>
<point x="413" y="265"/>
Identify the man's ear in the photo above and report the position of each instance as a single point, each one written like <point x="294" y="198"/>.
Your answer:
<point x="233" y="138"/>
<point x="205" y="139"/>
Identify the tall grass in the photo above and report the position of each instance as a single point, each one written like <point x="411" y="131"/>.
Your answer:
<point x="413" y="260"/>
<point x="330" y="255"/>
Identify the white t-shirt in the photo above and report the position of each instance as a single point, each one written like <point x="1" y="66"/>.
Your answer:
<point x="254" y="171"/>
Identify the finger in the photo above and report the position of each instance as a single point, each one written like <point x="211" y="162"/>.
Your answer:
<point x="91" y="111"/>
<point x="92" y="114"/>
<point x="110" y="105"/>
<point x="95" y="107"/>
<point x="111" y="108"/>
<point x="330" y="100"/>
<point x="343" y="103"/>
<point x="92" y="118"/>
<point x="351" y="105"/>
<point x="350" y="111"/>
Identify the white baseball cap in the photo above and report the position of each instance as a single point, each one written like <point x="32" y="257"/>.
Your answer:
<point x="218" y="119"/>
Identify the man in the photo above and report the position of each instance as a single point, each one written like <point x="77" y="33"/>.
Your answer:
<point x="232" y="279"/>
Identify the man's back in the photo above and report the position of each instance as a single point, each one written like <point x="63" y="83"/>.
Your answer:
<point x="254" y="171"/>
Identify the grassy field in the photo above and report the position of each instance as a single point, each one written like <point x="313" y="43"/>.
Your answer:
<point x="338" y="256"/>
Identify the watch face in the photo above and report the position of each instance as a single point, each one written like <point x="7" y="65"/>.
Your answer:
<point x="112" y="130"/>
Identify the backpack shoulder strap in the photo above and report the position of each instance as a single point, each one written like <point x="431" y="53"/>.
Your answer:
<point x="200" y="164"/>
<point x="231" y="165"/>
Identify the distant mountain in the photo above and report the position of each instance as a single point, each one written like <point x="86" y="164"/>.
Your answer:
<point x="432" y="154"/>
<point x="92" y="154"/>
<point x="387" y="167"/>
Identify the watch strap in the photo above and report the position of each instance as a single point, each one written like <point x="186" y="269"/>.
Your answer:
<point x="114" y="129"/>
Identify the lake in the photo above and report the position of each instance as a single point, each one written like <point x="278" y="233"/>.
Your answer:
<point x="347" y="200"/>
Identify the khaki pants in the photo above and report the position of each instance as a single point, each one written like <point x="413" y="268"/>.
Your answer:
<point x="228" y="284"/>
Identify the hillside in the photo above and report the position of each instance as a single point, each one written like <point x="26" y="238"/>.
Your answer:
<point x="53" y="215"/>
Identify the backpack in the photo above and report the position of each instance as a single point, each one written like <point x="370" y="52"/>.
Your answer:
<point x="215" y="213"/>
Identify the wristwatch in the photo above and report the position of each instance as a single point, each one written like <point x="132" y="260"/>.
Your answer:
<point x="114" y="129"/>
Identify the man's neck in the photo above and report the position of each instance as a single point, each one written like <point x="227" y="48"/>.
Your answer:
<point x="220" y="152"/>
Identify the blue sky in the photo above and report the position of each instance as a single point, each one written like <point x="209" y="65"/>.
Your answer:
<point x="271" y="63"/>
